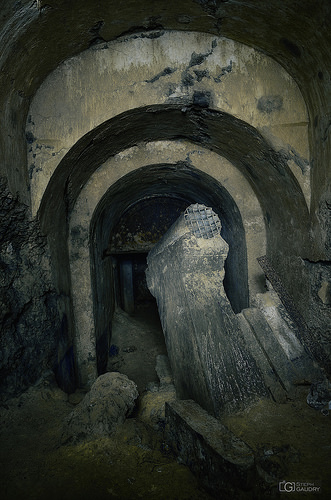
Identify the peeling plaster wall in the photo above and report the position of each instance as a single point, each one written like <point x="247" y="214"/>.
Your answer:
<point x="164" y="67"/>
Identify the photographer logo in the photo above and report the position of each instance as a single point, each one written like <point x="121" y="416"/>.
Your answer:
<point x="299" y="486"/>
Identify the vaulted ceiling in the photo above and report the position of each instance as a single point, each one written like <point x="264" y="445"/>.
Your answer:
<point x="36" y="36"/>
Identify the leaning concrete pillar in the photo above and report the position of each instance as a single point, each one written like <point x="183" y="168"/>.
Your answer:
<point x="206" y="350"/>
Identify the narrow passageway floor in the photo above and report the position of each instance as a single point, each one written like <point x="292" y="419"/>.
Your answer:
<point x="136" y="342"/>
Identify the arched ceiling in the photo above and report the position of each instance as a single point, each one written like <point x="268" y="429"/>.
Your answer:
<point x="36" y="36"/>
<point x="185" y="183"/>
<point x="214" y="130"/>
<point x="219" y="131"/>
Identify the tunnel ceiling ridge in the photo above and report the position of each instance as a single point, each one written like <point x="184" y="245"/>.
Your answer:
<point x="97" y="146"/>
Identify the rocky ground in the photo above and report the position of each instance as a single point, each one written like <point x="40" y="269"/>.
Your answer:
<point x="134" y="462"/>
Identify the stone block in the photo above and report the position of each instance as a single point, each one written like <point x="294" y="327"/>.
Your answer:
<point x="222" y="462"/>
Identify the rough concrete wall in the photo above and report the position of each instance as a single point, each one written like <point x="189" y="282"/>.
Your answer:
<point x="37" y="36"/>
<point x="162" y="68"/>
<point x="169" y="67"/>
<point x="319" y="319"/>
<point x="34" y="42"/>
<point x="29" y="320"/>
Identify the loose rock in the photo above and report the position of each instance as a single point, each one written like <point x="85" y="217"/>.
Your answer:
<point x="109" y="402"/>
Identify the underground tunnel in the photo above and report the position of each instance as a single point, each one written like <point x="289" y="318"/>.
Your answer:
<point x="163" y="123"/>
<point x="116" y="118"/>
<point x="146" y="212"/>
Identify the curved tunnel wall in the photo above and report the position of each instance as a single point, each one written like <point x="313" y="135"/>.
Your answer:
<point x="216" y="131"/>
<point x="266" y="170"/>
<point x="176" y="154"/>
<point x="36" y="40"/>
<point x="169" y="86"/>
<point x="163" y="68"/>
<point x="166" y="181"/>
<point x="29" y="38"/>
<point x="185" y="183"/>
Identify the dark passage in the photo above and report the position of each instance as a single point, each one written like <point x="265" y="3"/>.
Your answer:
<point x="136" y="342"/>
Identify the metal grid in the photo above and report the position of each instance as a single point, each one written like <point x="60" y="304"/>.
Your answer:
<point x="202" y="221"/>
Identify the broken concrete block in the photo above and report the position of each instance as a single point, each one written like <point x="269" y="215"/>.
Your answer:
<point x="287" y="335"/>
<point x="285" y="354"/>
<point x="208" y="356"/>
<point x="223" y="463"/>
<point x="271" y="348"/>
<point x="275" y="387"/>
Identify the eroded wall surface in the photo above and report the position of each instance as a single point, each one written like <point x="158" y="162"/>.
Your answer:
<point x="36" y="37"/>
<point x="32" y="331"/>
<point x="161" y="68"/>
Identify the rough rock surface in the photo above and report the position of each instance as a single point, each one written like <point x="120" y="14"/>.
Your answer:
<point x="153" y="401"/>
<point x="108" y="403"/>
<point x="29" y="319"/>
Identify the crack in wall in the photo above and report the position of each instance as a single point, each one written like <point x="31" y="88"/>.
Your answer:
<point x="167" y="71"/>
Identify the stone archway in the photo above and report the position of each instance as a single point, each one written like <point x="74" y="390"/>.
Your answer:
<point x="266" y="173"/>
<point x="216" y="93"/>
<point x="101" y="187"/>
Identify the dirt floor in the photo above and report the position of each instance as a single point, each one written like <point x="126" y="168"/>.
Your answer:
<point x="292" y="440"/>
<point x="293" y="443"/>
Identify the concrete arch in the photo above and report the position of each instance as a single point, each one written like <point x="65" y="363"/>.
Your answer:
<point x="159" y="69"/>
<point x="167" y="181"/>
<point x="117" y="170"/>
<point x="265" y="171"/>
<point x="167" y="85"/>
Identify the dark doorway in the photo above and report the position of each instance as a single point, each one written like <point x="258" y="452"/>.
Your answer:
<point x="131" y="289"/>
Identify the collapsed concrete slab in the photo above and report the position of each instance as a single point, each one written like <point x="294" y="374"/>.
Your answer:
<point x="209" y="358"/>
<point x="288" y="335"/>
<point x="222" y="461"/>
<point x="276" y="388"/>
